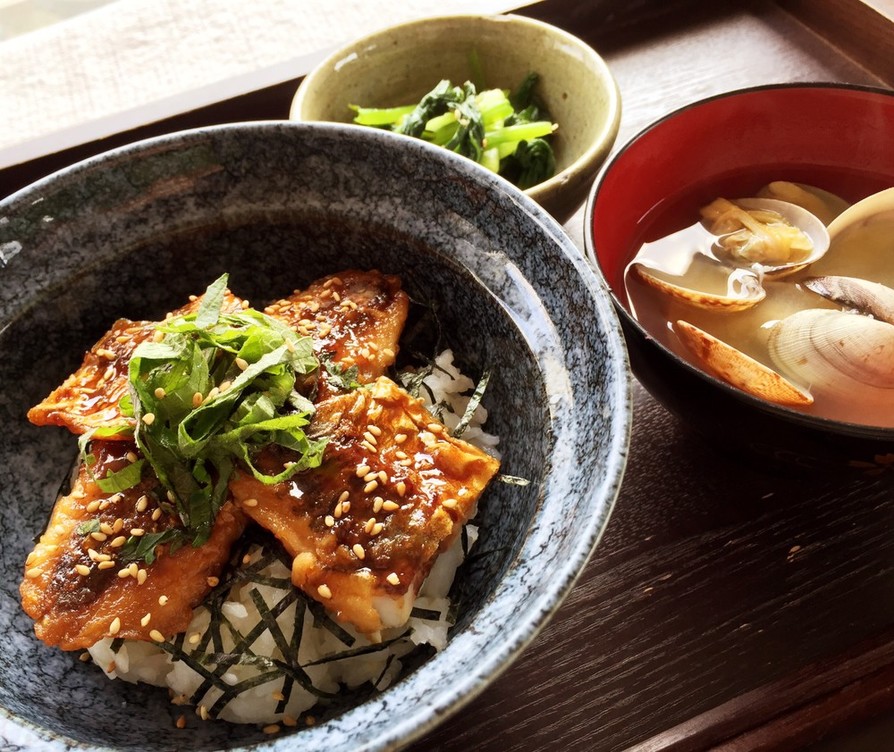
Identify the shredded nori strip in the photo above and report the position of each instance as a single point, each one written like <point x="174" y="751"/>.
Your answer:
<point x="474" y="401"/>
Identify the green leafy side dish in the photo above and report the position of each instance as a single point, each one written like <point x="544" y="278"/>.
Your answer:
<point x="507" y="133"/>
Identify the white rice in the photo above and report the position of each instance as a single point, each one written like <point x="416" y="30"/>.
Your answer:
<point x="330" y="659"/>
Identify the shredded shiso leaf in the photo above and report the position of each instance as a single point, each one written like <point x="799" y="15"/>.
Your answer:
<point x="209" y="390"/>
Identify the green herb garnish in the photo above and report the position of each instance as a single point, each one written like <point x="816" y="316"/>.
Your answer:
<point x="210" y="392"/>
<point x="126" y="477"/>
<point x="505" y="133"/>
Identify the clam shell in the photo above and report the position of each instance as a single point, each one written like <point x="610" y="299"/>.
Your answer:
<point x="799" y="217"/>
<point x="738" y="369"/>
<point x="826" y="206"/>
<point x="745" y="291"/>
<point x="834" y="351"/>
<point x="870" y="298"/>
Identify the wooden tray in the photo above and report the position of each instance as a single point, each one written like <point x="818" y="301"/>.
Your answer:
<point x="727" y="607"/>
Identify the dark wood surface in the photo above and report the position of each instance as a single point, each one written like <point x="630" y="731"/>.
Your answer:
<point x="728" y="606"/>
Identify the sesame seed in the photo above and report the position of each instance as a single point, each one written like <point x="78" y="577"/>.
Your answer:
<point x="93" y="506"/>
<point x="369" y="447"/>
<point x="84" y="657"/>
<point x="33" y="572"/>
<point x="110" y="373"/>
<point x="330" y="520"/>
<point x="108" y="564"/>
<point x="157" y="636"/>
<point x="106" y="528"/>
<point x="400" y="455"/>
<point x="358" y="551"/>
<point x="162" y="600"/>
<point x="393" y="578"/>
<point x="137" y="532"/>
<point x="449" y="503"/>
<point x="195" y="638"/>
<point x="370" y="523"/>
<point x="435" y="427"/>
<point x="115" y="626"/>
<point x="118" y="542"/>
<point x="146" y="619"/>
<point x="371" y="486"/>
<point x="390" y="506"/>
<point x="130" y="457"/>
<point x="370" y="438"/>
<point x="197" y="399"/>
<point x="142" y="504"/>
<point x="213" y="581"/>
<point x="400" y="438"/>
<point x="124" y="573"/>
<point x="377" y="528"/>
<point x="338" y="511"/>
<point x="405" y="463"/>
<point x="133" y="568"/>
<point x="362" y="470"/>
<point x="370" y="476"/>
<point x="97" y="536"/>
<point x="387" y="352"/>
<point x="345" y="507"/>
<point x="160" y="393"/>
<point x="324" y="591"/>
<point x="202" y="712"/>
<point x="250" y="503"/>
<point x="158" y="336"/>
<point x="401" y="488"/>
<point x="105" y="504"/>
<point x="225" y="385"/>
<point x="142" y="574"/>
<point x="149" y="419"/>
<point x="82" y="569"/>
<point x="156" y="513"/>
<point x="241" y="364"/>
<point x="383" y="476"/>
<point x="344" y="496"/>
<point x="378" y="502"/>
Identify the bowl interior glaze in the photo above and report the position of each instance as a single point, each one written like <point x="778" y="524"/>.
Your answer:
<point x="835" y="137"/>
<point x="134" y="232"/>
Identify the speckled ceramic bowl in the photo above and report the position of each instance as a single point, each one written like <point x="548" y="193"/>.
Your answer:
<point x="399" y="64"/>
<point x="133" y="232"/>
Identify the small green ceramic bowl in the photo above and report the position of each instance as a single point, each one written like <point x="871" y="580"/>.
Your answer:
<point x="399" y="64"/>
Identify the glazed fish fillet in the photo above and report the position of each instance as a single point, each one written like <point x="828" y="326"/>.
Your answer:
<point x="365" y="528"/>
<point x="362" y="542"/>
<point x="355" y="318"/>
<point x="79" y="589"/>
<point x="89" y="397"/>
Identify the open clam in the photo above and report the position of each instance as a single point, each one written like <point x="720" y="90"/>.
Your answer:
<point x="719" y="264"/>
<point x="824" y="205"/>
<point x="738" y="369"/>
<point x="860" y="295"/>
<point x="775" y="237"/>
<point x="836" y="352"/>
<point x="861" y="241"/>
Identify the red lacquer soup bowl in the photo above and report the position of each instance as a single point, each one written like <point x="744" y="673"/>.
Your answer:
<point x="837" y="138"/>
